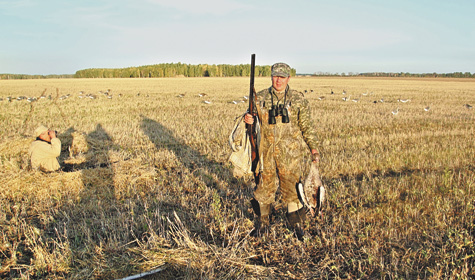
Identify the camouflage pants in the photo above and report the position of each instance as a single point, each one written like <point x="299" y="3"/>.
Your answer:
<point x="265" y="191"/>
<point x="284" y="155"/>
<point x="281" y="162"/>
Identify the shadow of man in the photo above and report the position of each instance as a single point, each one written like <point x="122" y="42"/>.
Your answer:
<point x="66" y="141"/>
<point x="215" y="175"/>
<point x="97" y="174"/>
<point x="163" y="138"/>
<point x="90" y="215"/>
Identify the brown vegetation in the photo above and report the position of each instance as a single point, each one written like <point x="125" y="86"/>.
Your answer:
<point x="148" y="182"/>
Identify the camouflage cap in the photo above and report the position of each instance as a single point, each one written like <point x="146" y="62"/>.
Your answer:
<point x="280" y="69"/>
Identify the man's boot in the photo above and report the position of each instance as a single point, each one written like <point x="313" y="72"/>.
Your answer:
<point x="263" y="221"/>
<point x="296" y="221"/>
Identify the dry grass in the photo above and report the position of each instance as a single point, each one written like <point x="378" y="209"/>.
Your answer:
<point x="149" y="182"/>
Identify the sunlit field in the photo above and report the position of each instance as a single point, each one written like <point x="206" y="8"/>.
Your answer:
<point x="148" y="184"/>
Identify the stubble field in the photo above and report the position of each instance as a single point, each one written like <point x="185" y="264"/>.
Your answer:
<point x="148" y="184"/>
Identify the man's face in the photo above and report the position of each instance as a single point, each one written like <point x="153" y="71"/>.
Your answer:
<point x="280" y="83"/>
<point x="45" y="136"/>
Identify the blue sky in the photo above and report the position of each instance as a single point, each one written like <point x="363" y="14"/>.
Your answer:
<point x="61" y="36"/>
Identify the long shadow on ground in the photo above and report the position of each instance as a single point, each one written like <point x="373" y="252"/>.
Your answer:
<point x="212" y="173"/>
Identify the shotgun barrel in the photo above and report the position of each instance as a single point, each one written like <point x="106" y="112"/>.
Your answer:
<point x="251" y="128"/>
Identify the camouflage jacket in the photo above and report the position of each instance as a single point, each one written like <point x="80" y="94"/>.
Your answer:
<point x="300" y="126"/>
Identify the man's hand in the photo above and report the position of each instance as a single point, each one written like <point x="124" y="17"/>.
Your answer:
<point x="315" y="156"/>
<point x="52" y="134"/>
<point x="249" y="119"/>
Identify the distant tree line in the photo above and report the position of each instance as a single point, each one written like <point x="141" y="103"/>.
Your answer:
<point x="24" y="76"/>
<point x="423" y="75"/>
<point x="400" y="74"/>
<point x="206" y="70"/>
<point x="176" y="70"/>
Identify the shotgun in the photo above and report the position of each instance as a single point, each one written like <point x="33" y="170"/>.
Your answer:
<point x="251" y="128"/>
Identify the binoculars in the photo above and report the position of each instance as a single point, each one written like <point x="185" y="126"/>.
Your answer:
<point x="278" y="110"/>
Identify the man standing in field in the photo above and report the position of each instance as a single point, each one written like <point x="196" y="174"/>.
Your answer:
<point x="45" y="149"/>
<point x="287" y="144"/>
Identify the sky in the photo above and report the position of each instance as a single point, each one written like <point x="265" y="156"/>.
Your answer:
<point x="339" y="36"/>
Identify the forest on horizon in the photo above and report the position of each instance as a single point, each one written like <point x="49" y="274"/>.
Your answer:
<point x="165" y="70"/>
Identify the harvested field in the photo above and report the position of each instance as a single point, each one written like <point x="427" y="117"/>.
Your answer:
<point x="148" y="183"/>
